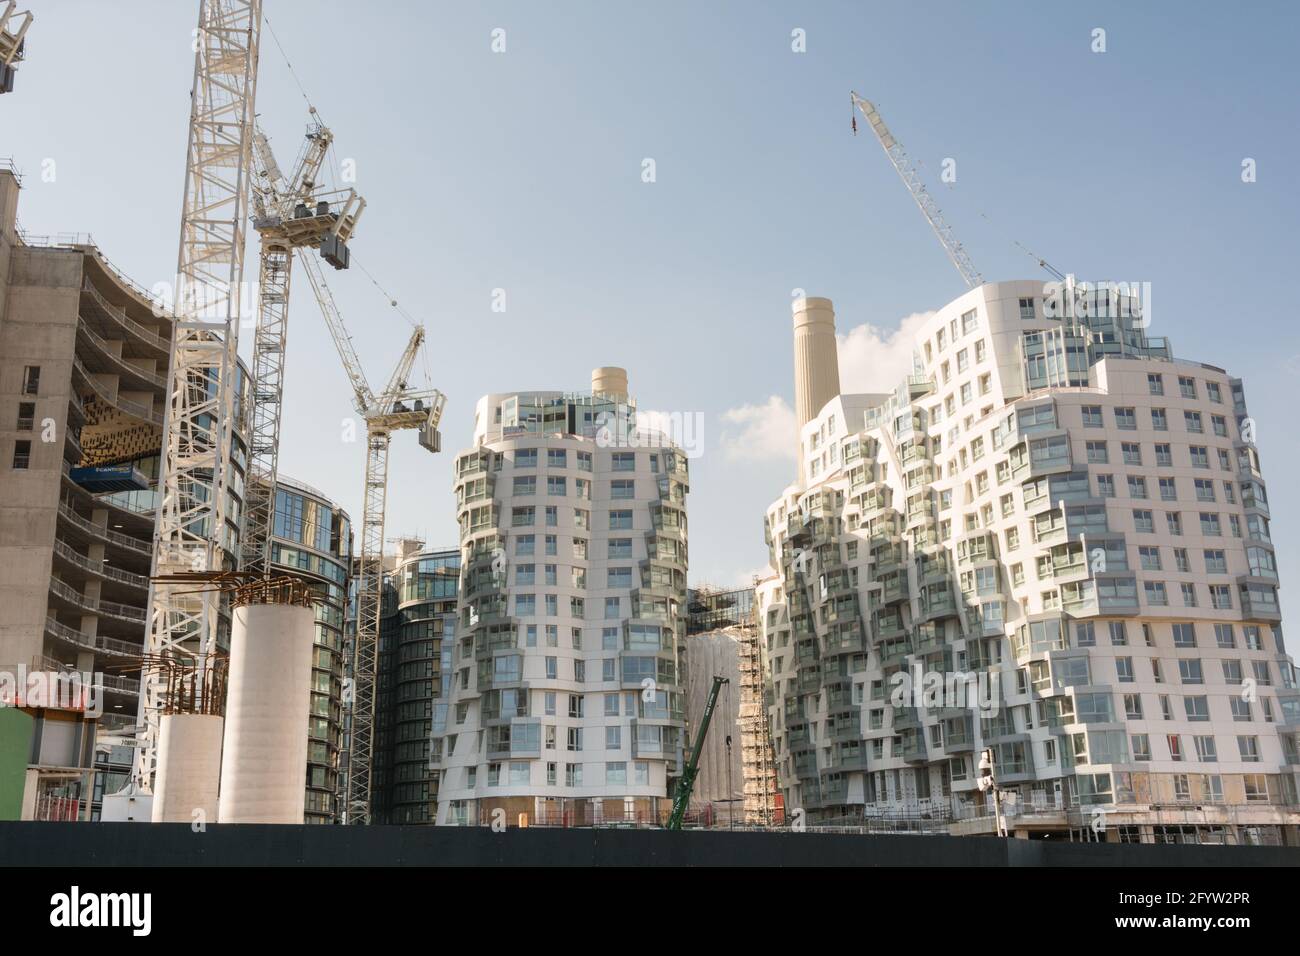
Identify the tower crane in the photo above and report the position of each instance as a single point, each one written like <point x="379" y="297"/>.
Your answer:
<point x="289" y="214"/>
<point x="396" y="408"/>
<point x="13" y="31"/>
<point x="912" y="180"/>
<point x="191" y="531"/>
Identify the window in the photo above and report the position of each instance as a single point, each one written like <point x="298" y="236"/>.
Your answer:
<point x="22" y="455"/>
<point x="1126" y="418"/>
<point x="556" y="458"/>
<point x="1220" y="596"/>
<point x="1097" y="454"/>
<point x="1206" y="752"/>
<point x="1164" y="456"/>
<point x="556" y="487"/>
<point x="526" y="458"/>
<point x="1132" y="453"/>
<point x="1224" y="636"/>
<point x="1026" y="310"/>
<point x="1142" y="521"/>
<point x="1124" y="670"/>
<point x="31" y="379"/>
<point x="1168" y="489"/>
<point x="620" y="520"/>
<point x="1141" y="744"/>
<point x="1155" y="383"/>
<point x="522" y="517"/>
<point x="1150" y="558"/>
<point x="1137" y="487"/>
<point x="1158" y="420"/>
<point x="1240" y="708"/>
<point x="1187" y="386"/>
<point x="1248" y="747"/>
<point x="1212" y="389"/>
<point x="1156" y="594"/>
<point x="1193" y="422"/>
<point x="622" y="488"/>
<point x="1210" y="526"/>
<point x="1105" y="486"/>
<point x="1200" y="456"/>
<point x="1184" y="635"/>
<point x="1175" y="522"/>
<point x="1175" y="743"/>
<point x="26" y="416"/>
<point x="1092" y="417"/>
<point x="623" y="461"/>
<point x="969" y="322"/>
<point x="1189" y="670"/>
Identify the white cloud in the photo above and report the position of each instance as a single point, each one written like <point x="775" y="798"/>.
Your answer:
<point x="876" y="360"/>
<point x="759" y="432"/>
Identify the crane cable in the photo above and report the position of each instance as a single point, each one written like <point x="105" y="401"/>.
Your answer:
<point x="336" y="170"/>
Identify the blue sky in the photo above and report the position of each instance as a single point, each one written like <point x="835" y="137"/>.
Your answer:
<point x="522" y="171"/>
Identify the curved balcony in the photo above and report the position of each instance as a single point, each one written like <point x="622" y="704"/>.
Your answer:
<point x="108" y="398"/>
<point x="100" y="644"/>
<point x="104" y="315"/>
<point x="116" y="364"/>
<point x="98" y="568"/>
<point x="91" y="605"/>
<point x="87" y="527"/>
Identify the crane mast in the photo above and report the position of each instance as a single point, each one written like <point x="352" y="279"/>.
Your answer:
<point x="13" y="32"/>
<point x="912" y="180"/>
<point x="191" y="531"/>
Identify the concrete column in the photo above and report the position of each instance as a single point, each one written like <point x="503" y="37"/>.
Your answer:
<point x="189" y="768"/>
<point x="264" y="757"/>
<point x="816" y="358"/>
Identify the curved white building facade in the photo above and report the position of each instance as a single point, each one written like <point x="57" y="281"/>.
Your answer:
<point x="566" y="703"/>
<point x="1057" y="507"/>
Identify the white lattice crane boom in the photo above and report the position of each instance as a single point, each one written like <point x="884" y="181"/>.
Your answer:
<point x="929" y="208"/>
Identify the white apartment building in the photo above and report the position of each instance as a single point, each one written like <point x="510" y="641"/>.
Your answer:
<point x="1057" y="516"/>
<point x="567" y="679"/>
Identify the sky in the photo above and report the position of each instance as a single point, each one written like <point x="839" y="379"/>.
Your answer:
<point x="523" y="170"/>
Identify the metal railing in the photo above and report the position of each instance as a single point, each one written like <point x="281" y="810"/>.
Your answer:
<point x="111" y="608"/>
<point x="90" y="527"/>
<point x="120" y="316"/>
<point x="98" y="567"/>
<point x="102" y="344"/>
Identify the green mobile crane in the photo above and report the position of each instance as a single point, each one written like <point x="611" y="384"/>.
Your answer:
<point x="687" y="783"/>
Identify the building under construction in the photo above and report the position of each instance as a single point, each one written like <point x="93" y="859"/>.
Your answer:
<point x="724" y="639"/>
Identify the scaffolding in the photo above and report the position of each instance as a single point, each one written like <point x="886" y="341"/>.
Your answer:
<point x="733" y="611"/>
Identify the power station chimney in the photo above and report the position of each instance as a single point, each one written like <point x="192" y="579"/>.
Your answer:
<point x="610" y="381"/>
<point x="816" y="359"/>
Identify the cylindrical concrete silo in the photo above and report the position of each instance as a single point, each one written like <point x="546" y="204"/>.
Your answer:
<point x="264" y="760"/>
<point x="816" y="357"/>
<point x="189" y="768"/>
